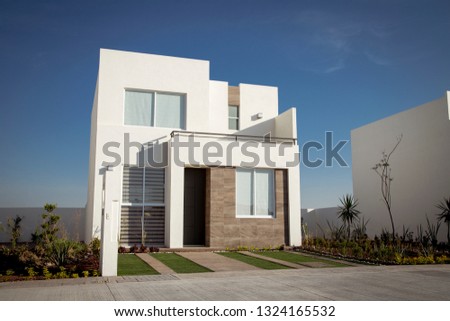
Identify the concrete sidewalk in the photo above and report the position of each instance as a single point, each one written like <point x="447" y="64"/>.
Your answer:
<point x="424" y="282"/>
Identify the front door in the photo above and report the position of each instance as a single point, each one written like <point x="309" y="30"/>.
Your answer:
<point x="194" y="206"/>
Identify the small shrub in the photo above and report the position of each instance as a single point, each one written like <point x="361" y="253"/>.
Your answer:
<point x="46" y="273"/>
<point x="48" y="230"/>
<point x="62" y="274"/>
<point x="10" y="272"/>
<point x="85" y="274"/>
<point x="28" y="257"/>
<point x="95" y="246"/>
<point x="153" y="249"/>
<point x="31" y="272"/>
<point x="134" y="249"/>
<point x="74" y="276"/>
<point x="143" y="249"/>
<point x="15" y="229"/>
<point x="61" y="251"/>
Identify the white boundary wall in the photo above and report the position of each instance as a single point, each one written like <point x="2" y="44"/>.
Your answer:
<point x="72" y="221"/>
<point x="420" y="166"/>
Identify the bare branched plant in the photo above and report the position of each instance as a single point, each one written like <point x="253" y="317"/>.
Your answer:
<point x="384" y="171"/>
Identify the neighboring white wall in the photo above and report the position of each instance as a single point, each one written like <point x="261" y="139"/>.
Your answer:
<point x="317" y="219"/>
<point x="72" y="222"/>
<point x="420" y="166"/>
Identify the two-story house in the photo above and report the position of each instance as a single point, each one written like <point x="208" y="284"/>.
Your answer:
<point x="178" y="160"/>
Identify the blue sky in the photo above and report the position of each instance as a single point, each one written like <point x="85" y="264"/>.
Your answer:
<point x="343" y="64"/>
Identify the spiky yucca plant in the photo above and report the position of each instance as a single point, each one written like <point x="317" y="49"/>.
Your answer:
<point x="444" y="215"/>
<point x="347" y="211"/>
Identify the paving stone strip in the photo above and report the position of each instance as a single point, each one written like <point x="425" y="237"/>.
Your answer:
<point x="270" y="259"/>
<point x="160" y="267"/>
<point x="217" y="262"/>
<point x="325" y="258"/>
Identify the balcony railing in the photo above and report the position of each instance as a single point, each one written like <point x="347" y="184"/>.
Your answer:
<point x="236" y="137"/>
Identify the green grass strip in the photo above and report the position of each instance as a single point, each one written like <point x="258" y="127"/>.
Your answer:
<point x="130" y="264"/>
<point x="263" y="264"/>
<point x="298" y="258"/>
<point x="179" y="264"/>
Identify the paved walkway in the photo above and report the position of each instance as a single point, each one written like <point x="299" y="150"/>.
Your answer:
<point x="271" y="259"/>
<point x="156" y="264"/>
<point x="419" y="282"/>
<point x="216" y="262"/>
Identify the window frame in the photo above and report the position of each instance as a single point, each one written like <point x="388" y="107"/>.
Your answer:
<point x="254" y="192"/>
<point x="155" y="107"/>
<point x="237" y="118"/>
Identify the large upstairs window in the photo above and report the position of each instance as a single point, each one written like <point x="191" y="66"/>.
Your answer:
<point x="155" y="109"/>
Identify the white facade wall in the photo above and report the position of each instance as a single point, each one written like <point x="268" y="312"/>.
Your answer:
<point x="206" y="111"/>
<point x="420" y="166"/>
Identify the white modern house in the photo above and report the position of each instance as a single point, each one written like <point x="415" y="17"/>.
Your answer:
<point x="420" y="166"/>
<point x="179" y="160"/>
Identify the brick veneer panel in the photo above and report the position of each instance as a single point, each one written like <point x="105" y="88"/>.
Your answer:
<point x="223" y="229"/>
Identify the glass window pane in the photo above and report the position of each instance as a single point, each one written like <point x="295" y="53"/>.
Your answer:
<point x="244" y="192"/>
<point x="233" y="124"/>
<point x="138" y="108"/>
<point x="154" y="185"/>
<point x="132" y="185"/>
<point x="233" y="111"/>
<point x="264" y="193"/>
<point x="169" y="111"/>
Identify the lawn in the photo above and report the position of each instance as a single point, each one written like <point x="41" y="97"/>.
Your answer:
<point x="179" y="264"/>
<point x="129" y="264"/>
<point x="297" y="258"/>
<point x="263" y="264"/>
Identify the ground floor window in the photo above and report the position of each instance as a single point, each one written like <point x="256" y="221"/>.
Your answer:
<point x="143" y="207"/>
<point x="255" y="194"/>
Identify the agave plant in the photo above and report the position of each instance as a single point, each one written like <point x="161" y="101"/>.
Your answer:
<point x="337" y="232"/>
<point x="347" y="211"/>
<point x="444" y="215"/>
<point x="432" y="232"/>
<point x="360" y="231"/>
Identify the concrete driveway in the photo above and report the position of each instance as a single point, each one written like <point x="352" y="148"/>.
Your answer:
<point x="425" y="282"/>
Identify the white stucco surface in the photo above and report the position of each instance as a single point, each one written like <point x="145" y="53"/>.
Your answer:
<point x="420" y="166"/>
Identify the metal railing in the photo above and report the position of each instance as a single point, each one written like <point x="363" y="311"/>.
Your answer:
<point x="236" y="137"/>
